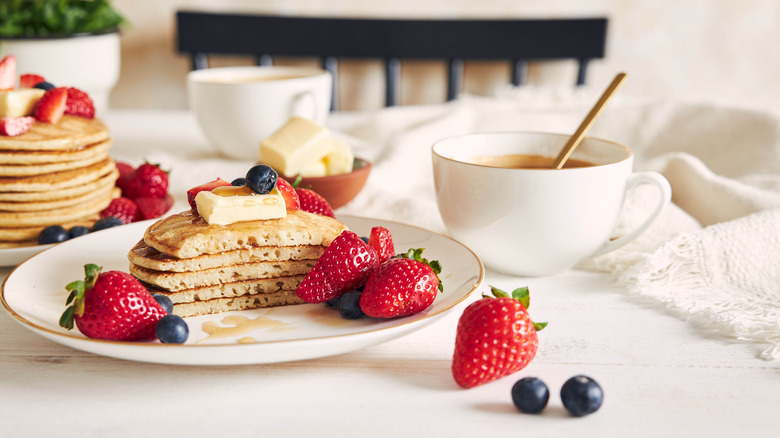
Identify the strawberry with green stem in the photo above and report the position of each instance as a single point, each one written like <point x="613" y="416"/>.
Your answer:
<point x="495" y="338"/>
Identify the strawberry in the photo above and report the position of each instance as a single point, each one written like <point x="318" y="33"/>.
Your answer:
<point x="8" y="73"/>
<point x="345" y="265"/>
<point x="401" y="286"/>
<point x="79" y="104"/>
<point x="147" y="181"/>
<point x="209" y="186"/>
<point x="288" y="193"/>
<point x="152" y="208"/>
<point x="313" y="202"/>
<point x="111" y="305"/>
<point x="13" y="126"/>
<point x="51" y="105"/>
<point x="381" y="240"/>
<point x="124" y="209"/>
<point x="29" y="80"/>
<point x="495" y="338"/>
<point x="125" y="170"/>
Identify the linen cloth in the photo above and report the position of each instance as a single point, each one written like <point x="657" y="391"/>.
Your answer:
<point x="713" y="256"/>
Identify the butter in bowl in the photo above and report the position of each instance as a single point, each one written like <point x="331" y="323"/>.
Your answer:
<point x="302" y="148"/>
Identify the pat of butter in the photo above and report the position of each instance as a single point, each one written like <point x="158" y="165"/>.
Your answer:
<point x="223" y="210"/>
<point x="19" y="102"/>
<point x="295" y="145"/>
<point x="315" y="169"/>
<point x="340" y="159"/>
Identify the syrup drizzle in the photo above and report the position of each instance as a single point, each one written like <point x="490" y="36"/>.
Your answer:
<point x="233" y="325"/>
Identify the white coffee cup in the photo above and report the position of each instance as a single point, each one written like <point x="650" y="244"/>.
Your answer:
<point x="238" y="107"/>
<point x="536" y="221"/>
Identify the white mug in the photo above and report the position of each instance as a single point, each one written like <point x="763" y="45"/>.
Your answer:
<point x="238" y="107"/>
<point x="536" y="221"/>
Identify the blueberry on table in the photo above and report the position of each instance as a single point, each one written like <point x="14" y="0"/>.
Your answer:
<point x="238" y="182"/>
<point x="261" y="179"/>
<point x="78" y="231"/>
<point x="530" y="395"/>
<point x="53" y="234"/>
<point x="349" y="305"/>
<point x="106" y="222"/>
<point x="171" y="329"/>
<point x="581" y="395"/>
<point x="164" y="302"/>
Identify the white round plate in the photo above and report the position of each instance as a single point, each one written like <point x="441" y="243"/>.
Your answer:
<point x="14" y="256"/>
<point x="34" y="294"/>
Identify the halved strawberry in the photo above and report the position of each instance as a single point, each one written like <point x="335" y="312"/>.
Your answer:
<point x="51" y="105"/>
<point x="29" y="80"/>
<point x="79" y="104"/>
<point x="288" y="193"/>
<point x="345" y="265"/>
<point x="13" y="126"/>
<point x="381" y="240"/>
<point x="152" y="207"/>
<point x="209" y="186"/>
<point x="8" y="73"/>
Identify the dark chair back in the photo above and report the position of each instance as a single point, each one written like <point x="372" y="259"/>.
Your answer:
<point x="328" y="39"/>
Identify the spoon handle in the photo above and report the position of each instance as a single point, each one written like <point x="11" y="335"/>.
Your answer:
<point x="575" y="139"/>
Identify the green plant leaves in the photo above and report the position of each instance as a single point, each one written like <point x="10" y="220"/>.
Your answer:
<point x="40" y="18"/>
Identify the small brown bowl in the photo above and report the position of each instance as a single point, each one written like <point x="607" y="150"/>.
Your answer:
<point x="338" y="190"/>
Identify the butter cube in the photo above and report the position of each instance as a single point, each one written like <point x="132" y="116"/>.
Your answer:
<point x="19" y="102"/>
<point x="315" y="169"/>
<point x="223" y="210"/>
<point x="296" y="144"/>
<point x="340" y="159"/>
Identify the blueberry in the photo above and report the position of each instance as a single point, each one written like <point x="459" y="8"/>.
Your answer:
<point x="334" y="302"/>
<point x="581" y="395"/>
<point x="530" y="395"/>
<point x="238" y="182"/>
<point x="349" y="305"/>
<point x="44" y="85"/>
<point x="78" y="231"/>
<point x="164" y="302"/>
<point x="53" y="234"/>
<point x="106" y="222"/>
<point x="261" y="179"/>
<point x="364" y="239"/>
<point x="171" y="329"/>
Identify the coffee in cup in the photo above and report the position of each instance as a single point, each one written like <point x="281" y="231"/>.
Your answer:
<point x="497" y="195"/>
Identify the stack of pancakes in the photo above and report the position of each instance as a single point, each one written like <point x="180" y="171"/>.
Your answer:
<point x="207" y="269"/>
<point x="54" y="174"/>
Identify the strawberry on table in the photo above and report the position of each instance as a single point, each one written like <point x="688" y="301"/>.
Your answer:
<point x="51" y="106"/>
<point x="345" y="265"/>
<point x="152" y="208"/>
<point x="8" y="73"/>
<point x="29" y="80"/>
<point x="13" y="126"/>
<point x="495" y="338"/>
<point x="111" y="305"/>
<point x="382" y="241"/>
<point x="124" y="209"/>
<point x="147" y="181"/>
<point x="79" y="104"/>
<point x="209" y="186"/>
<point x="401" y="286"/>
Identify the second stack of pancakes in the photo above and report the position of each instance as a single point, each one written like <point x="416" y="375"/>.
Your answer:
<point x="54" y="174"/>
<point x="208" y="269"/>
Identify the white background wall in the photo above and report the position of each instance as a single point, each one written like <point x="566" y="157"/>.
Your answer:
<point x="709" y="50"/>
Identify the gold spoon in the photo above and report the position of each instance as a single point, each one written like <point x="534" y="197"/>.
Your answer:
<point x="575" y="139"/>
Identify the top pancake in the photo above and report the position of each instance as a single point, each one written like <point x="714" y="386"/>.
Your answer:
<point x="186" y="235"/>
<point x="70" y="132"/>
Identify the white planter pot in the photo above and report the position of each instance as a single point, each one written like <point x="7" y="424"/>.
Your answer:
<point x="87" y="62"/>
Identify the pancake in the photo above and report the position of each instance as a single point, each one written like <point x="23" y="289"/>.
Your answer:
<point x="104" y="182"/>
<point x="57" y="180"/>
<point x="44" y="168"/>
<point x="232" y="289"/>
<point x="186" y="235"/>
<point x="20" y="234"/>
<point x="246" y="302"/>
<point x="61" y="202"/>
<point x="70" y="132"/>
<point x="146" y="257"/>
<point x="57" y="216"/>
<point x="176" y="281"/>
<point x="56" y="156"/>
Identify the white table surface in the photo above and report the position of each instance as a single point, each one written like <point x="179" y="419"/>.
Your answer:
<point x="661" y="376"/>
